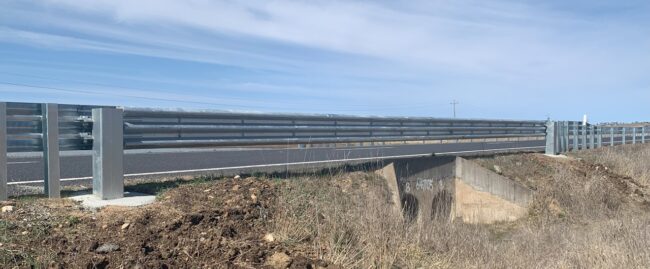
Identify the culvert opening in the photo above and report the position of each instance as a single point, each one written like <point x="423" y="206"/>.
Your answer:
<point x="450" y="188"/>
<point x="410" y="207"/>
<point x="441" y="206"/>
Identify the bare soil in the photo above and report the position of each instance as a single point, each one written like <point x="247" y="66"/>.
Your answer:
<point x="212" y="225"/>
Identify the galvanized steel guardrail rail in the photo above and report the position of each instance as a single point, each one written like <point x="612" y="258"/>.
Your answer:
<point x="146" y="128"/>
<point x="109" y="130"/>
<point x="565" y="136"/>
<point x="47" y="128"/>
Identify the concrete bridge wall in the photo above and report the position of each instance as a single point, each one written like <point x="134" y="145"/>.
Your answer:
<point x="449" y="188"/>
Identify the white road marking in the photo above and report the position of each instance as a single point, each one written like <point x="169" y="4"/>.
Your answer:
<point x="282" y="164"/>
<point x="366" y="148"/>
<point x="20" y="162"/>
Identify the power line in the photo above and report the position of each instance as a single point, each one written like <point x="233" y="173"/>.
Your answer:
<point x="454" y="103"/>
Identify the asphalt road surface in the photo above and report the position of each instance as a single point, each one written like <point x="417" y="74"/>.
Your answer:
<point x="26" y="167"/>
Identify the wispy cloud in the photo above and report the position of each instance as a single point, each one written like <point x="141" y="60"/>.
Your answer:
<point x="345" y="50"/>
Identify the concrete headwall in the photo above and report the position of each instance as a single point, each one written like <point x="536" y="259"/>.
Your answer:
<point x="485" y="180"/>
<point x="422" y="187"/>
<point x="430" y="188"/>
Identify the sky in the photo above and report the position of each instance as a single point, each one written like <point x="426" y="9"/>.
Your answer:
<point x="499" y="59"/>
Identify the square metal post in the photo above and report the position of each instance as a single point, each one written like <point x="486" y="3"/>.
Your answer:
<point x="611" y="136"/>
<point x="3" y="151"/>
<point x="108" y="153"/>
<point x="633" y="135"/>
<point x="563" y="146"/>
<point x="624" y="136"/>
<point x="592" y="137"/>
<point x="551" y="138"/>
<point x="576" y="136"/>
<point x="600" y="137"/>
<point x="566" y="136"/>
<point x="643" y="135"/>
<point x="560" y="132"/>
<point x="51" y="150"/>
<point x="584" y="136"/>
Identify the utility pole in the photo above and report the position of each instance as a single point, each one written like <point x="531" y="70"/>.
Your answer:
<point x="454" y="103"/>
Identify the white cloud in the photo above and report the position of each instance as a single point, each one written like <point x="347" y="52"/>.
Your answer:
<point x="467" y="46"/>
<point x="491" y="38"/>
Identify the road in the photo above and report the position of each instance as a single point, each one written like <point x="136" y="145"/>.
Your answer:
<point x="78" y="165"/>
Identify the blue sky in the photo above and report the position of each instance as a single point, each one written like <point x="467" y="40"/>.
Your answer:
<point x="499" y="59"/>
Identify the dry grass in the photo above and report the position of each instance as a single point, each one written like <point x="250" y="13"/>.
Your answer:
<point x="582" y="217"/>
<point x="628" y="160"/>
<point x="348" y="220"/>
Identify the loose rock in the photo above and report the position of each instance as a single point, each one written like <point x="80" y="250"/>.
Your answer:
<point x="7" y="209"/>
<point x="125" y="226"/>
<point x="107" y="248"/>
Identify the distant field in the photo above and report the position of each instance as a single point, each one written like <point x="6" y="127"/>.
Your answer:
<point x="591" y="210"/>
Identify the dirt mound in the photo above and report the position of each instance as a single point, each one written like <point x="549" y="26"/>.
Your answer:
<point x="221" y="224"/>
<point x="572" y="187"/>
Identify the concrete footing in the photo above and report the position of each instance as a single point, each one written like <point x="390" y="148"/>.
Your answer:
<point x="453" y="188"/>
<point x="130" y="199"/>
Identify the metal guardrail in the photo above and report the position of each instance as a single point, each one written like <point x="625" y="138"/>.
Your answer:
<point x="565" y="136"/>
<point x="108" y="131"/>
<point x="27" y="121"/>
<point x="47" y="128"/>
<point x="146" y="128"/>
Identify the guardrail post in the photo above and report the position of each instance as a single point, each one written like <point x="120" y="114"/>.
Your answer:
<point x="3" y="151"/>
<point x="611" y="136"/>
<point x="584" y="137"/>
<point x="600" y="137"/>
<point x="51" y="150"/>
<point x="108" y="153"/>
<point x="633" y="135"/>
<point x="592" y="138"/>
<point x="624" y="136"/>
<point x="643" y="135"/>
<point x="560" y="133"/>
<point x="576" y="135"/>
<point x="565" y="136"/>
<point x="551" y="138"/>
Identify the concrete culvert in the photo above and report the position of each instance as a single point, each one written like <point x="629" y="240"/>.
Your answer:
<point x="452" y="188"/>
<point x="441" y="206"/>
<point x="410" y="207"/>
